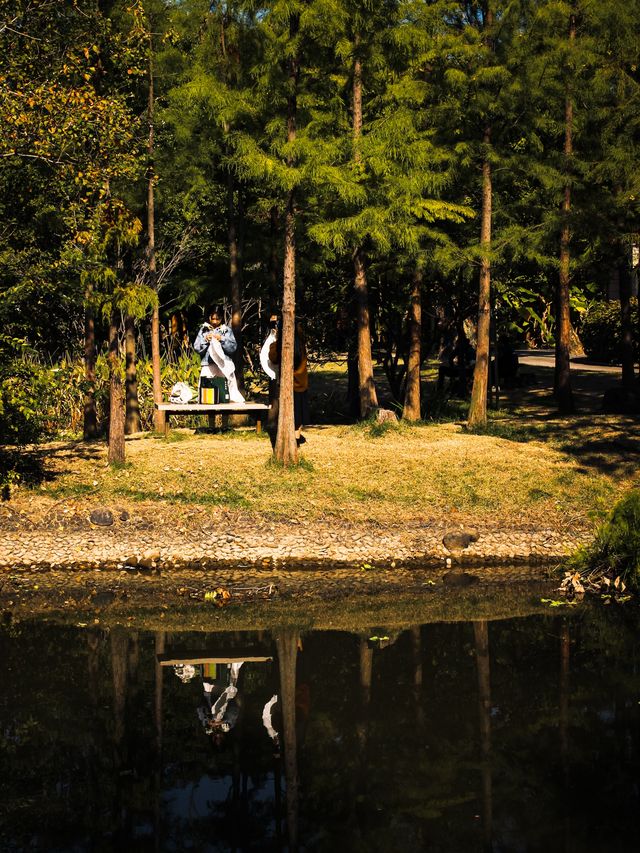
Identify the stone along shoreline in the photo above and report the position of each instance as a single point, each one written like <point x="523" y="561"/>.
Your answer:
<point x="113" y="537"/>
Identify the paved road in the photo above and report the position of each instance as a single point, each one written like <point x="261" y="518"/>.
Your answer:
<point x="545" y="358"/>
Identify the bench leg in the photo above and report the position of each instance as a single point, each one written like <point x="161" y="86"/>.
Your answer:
<point x="212" y="421"/>
<point x="258" y="425"/>
<point x="167" y="425"/>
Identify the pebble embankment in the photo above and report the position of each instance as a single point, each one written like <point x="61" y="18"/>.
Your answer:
<point x="91" y="537"/>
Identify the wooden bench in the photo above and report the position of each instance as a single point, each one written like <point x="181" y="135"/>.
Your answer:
<point x="258" y="410"/>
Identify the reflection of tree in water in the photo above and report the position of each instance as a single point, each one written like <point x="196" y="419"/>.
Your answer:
<point x="100" y="752"/>
<point x="483" y="663"/>
<point x="287" y="645"/>
<point x="58" y="698"/>
<point x="160" y="645"/>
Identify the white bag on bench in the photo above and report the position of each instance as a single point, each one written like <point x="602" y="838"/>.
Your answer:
<point x="181" y="393"/>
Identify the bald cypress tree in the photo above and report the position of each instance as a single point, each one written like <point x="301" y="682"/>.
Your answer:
<point x="562" y="381"/>
<point x="578" y="83"/>
<point x="388" y="195"/>
<point x="285" y="158"/>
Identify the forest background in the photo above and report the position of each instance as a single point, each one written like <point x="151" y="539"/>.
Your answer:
<point x="387" y="171"/>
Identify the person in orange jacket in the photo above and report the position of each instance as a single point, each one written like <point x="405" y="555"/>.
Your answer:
<point x="300" y="376"/>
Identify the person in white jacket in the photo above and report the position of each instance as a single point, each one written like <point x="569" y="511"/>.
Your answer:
<point x="215" y="343"/>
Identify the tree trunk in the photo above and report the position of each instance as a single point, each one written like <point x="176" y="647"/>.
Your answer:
<point x="274" y="226"/>
<point x="367" y="388"/>
<point x="286" y="448"/>
<point x="627" y="353"/>
<point x="478" y="406"/>
<point x="90" y="427"/>
<point x="116" y="452"/>
<point x="235" y="277"/>
<point x="562" y="383"/>
<point x="158" y="417"/>
<point x="411" y="410"/>
<point x="132" y="422"/>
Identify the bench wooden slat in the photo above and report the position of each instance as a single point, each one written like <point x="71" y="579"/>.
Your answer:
<point x="195" y="408"/>
<point x="172" y="660"/>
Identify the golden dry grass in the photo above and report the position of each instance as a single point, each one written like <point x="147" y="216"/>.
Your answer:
<point x="406" y="474"/>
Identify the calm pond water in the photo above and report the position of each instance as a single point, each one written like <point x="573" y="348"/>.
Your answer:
<point x="514" y="735"/>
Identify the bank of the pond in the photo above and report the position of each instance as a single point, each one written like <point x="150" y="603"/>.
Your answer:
<point x="411" y="496"/>
<point x="263" y="599"/>
<point x="151" y="538"/>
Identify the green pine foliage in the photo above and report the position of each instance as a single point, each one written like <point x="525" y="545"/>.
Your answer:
<point x="73" y="164"/>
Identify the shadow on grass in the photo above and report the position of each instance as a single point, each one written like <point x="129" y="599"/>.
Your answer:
<point x="32" y="466"/>
<point x="328" y="397"/>
<point x="604" y="443"/>
<point x="21" y="467"/>
<point x="222" y="497"/>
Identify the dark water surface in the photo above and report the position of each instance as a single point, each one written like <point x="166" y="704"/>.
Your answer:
<point x="511" y="735"/>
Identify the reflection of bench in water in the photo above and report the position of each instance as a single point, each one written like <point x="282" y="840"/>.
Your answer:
<point x="257" y="410"/>
<point x="250" y="654"/>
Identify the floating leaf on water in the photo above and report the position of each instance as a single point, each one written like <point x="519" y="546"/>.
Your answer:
<point x="218" y="596"/>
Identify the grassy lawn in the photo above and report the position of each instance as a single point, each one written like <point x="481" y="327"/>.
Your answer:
<point x="529" y="466"/>
<point x="405" y="473"/>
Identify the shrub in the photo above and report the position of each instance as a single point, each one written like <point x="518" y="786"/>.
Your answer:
<point x="616" y="547"/>
<point x="23" y="421"/>
<point x="38" y="400"/>
<point x="601" y="333"/>
<point x="23" y="410"/>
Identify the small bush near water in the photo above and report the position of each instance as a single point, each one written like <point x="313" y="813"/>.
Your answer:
<point x="601" y="333"/>
<point x="616" y="548"/>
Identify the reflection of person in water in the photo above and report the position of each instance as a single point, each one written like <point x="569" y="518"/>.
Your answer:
<point x="220" y="712"/>
<point x="268" y="722"/>
<point x="221" y="707"/>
